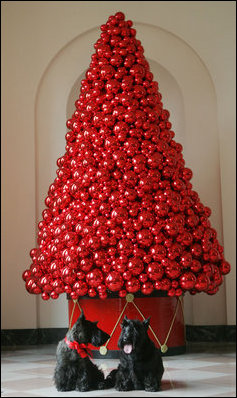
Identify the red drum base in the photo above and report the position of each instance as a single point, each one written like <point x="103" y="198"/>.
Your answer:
<point x="167" y="329"/>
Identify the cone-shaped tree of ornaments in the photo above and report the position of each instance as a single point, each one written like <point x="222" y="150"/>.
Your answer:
<point x="121" y="214"/>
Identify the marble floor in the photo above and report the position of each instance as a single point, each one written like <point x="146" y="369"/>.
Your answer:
<point x="205" y="370"/>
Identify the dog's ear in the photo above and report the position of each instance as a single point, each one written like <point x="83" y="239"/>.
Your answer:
<point x="125" y="321"/>
<point x="146" y="322"/>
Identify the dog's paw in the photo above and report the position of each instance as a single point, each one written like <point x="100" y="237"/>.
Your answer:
<point x="82" y="388"/>
<point x="152" y="388"/>
<point x="101" y="385"/>
<point x="64" y="389"/>
<point x="122" y="388"/>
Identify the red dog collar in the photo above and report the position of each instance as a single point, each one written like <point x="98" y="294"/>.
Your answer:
<point x="82" y="349"/>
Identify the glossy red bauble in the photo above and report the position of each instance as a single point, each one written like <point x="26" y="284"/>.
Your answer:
<point x="132" y="285"/>
<point x="144" y="237"/>
<point x="94" y="278"/>
<point x="155" y="271"/>
<point x="114" y="281"/>
<point x="187" y="281"/>
<point x="147" y="288"/>
<point x="173" y="270"/>
<point x="224" y="267"/>
<point x="135" y="265"/>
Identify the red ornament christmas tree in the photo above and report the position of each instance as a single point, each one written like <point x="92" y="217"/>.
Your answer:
<point x="121" y="214"/>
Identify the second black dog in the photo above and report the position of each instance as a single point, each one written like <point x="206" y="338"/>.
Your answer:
<point x="141" y="365"/>
<point x="74" y="369"/>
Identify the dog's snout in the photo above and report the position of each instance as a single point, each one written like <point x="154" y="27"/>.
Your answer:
<point x="100" y="338"/>
<point x="104" y="337"/>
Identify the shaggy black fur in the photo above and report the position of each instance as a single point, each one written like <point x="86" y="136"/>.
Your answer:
<point x="73" y="372"/>
<point x="141" y="365"/>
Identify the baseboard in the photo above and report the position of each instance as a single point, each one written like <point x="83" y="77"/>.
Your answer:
<point x="24" y="337"/>
<point x="211" y="333"/>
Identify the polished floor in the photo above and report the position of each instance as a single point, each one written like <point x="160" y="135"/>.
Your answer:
<point x="206" y="370"/>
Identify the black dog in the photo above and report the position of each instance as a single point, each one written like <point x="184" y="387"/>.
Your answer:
<point x="74" y="369"/>
<point x="141" y="365"/>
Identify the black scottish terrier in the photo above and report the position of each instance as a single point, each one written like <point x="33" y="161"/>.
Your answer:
<point x="141" y="365"/>
<point x="74" y="369"/>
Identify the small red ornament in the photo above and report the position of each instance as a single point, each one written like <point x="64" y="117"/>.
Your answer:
<point x="54" y="295"/>
<point x="92" y="292"/>
<point x="224" y="267"/>
<point x="202" y="282"/>
<point x="125" y="247"/>
<point x="135" y="265"/>
<point x="132" y="285"/>
<point x="214" y="255"/>
<point x="94" y="278"/>
<point x="196" y="250"/>
<point x="143" y="278"/>
<point x="195" y="266"/>
<point x="144" y="237"/>
<point x="155" y="271"/>
<point x="80" y="288"/>
<point x="173" y="270"/>
<point x="45" y="296"/>
<point x="158" y="252"/>
<point x="147" y="288"/>
<point x="187" y="281"/>
<point x="186" y="259"/>
<point x="26" y="275"/>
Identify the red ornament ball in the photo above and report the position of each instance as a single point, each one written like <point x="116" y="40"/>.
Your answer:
<point x="94" y="278"/>
<point x="135" y="265"/>
<point x="132" y="285"/>
<point x="114" y="281"/>
<point x="144" y="237"/>
<point x="225" y="267"/>
<point x="147" y="288"/>
<point x="155" y="271"/>
<point x="173" y="270"/>
<point x="187" y="281"/>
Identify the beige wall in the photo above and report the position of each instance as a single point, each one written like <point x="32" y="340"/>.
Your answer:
<point x="46" y="47"/>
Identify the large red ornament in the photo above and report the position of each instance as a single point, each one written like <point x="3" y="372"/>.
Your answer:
<point x="121" y="215"/>
<point x="114" y="281"/>
<point x="187" y="281"/>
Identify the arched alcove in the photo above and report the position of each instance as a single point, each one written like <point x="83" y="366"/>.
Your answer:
<point x="189" y="95"/>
